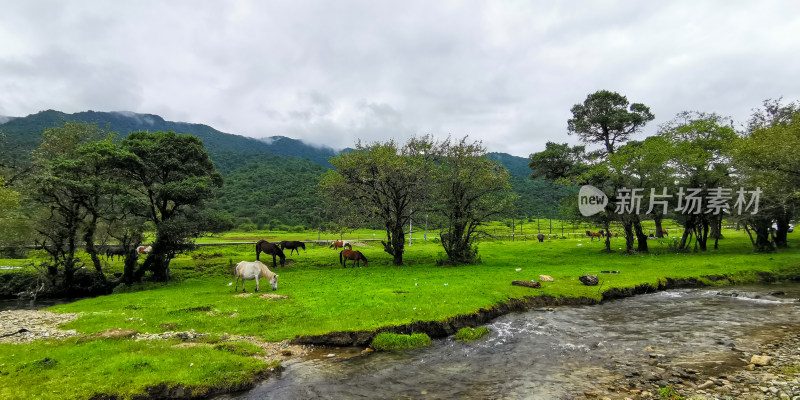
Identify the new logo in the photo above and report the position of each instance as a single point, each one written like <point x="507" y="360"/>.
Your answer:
<point x="591" y="200"/>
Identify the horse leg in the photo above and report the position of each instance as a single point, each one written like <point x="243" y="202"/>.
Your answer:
<point x="257" y="281"/>
<point x="236" y="288"/>
<point x="273" y="261"/>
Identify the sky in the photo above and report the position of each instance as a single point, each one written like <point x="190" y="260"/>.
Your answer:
<point x="334" y="72"/>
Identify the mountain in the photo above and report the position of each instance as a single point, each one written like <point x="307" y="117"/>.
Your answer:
<point x="289" y="147"/>
<point x="293" y="166"/>
<point x="227" y="150"/>
<point x="4" y="119"/>
<point x="537" y="197"/>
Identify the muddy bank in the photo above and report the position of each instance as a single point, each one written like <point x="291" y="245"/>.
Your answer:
<point x="440" y="329"/>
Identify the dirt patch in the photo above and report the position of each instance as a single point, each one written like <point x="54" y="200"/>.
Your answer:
<point x="24" y="326"/>
<point x="273" y="296"/>
<point x="189" y="345"/>
<point x="117" y="333"/>
<point x="243" y="295"/>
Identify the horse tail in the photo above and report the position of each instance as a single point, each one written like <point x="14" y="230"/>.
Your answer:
<point x="258" y="249"/>
<point x="340" y="256"/>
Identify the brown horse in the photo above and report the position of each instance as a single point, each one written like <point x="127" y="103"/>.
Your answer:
<point x="339" y="244"/>
<point x="353" y="255"/>
<point x="593" y="235"/>
<point x="664" y="232"/>
<point x="266" y="247"/>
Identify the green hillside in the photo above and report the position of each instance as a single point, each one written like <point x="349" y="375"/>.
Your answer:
<point x="228" y="151"/>
<point x="267" y="181"/>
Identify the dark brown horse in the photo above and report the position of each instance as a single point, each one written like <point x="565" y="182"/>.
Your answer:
<point x="353" y="255"/>
<point x="292" y="245"/>
<point x="112" y="251"/>
<point x="339" y="244"/>
<point x="266" y="247"/>
<point x="593" y="235"/>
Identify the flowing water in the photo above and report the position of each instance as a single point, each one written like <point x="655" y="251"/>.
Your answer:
<point x="555" y="354"/>
<point x="31" y="304"/>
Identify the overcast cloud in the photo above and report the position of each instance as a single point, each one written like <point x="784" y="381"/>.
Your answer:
<point x="333" y="72"/>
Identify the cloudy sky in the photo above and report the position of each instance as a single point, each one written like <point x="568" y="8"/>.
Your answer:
<point x="332" y="72"/>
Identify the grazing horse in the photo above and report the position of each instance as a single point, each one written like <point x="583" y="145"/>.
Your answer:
<point x="540" y="237"/>
<point x="354" y="255"/>
<point x="112" y="251"/>
<point x="292" y="246"/>
<point x="664" y="232"/>
<point x="144" y="249"/>
<point x="593" y="235"/>
<point x="339" y="244"/>
<point x="266" y="247"/>
<point x="247" y="270"/>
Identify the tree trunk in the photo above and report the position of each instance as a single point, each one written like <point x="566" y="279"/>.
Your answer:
<point x="640" y="236"/>
<point x="701" y="235"/>
<point x="659" y="231"/>
<point x="715" y="224"/>
<point x="687" y="231"/>
<point x="627" y="227"/>
<point x="398" y="245"/>
<point x="783" y="230"/>
<point x="761" y="228"/>
<point x="88" y="238"/>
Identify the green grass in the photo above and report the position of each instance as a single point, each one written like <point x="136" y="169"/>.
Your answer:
<point x="387" y="341"/>
<point x="469" y="334"/>
<point x="324" y="297"/>
<point x="75" y="370"/>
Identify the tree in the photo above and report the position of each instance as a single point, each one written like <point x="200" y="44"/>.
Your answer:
<point x="701" y="159"/>
<point x="607" y="118"/>
<point x="384" y="181"/>
<point x="558" y="161"/>
<point x="470" y="189"/>
<point x="175" y="178"/>
<point x="16" y="229"/>
<point x="767" y="157"/>
<point x="61" y="185"/>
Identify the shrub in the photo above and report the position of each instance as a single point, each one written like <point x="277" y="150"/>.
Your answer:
<point x="469" y="334"/>
<point x="387" y="341"/>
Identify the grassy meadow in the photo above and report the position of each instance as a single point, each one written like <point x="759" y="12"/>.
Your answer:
<point x="324" y="297"/>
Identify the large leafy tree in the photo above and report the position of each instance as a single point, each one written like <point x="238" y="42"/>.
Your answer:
<point x="470" y="190"/>
<point x="62" y="187"/>
<point x="607" y="118"/>
<point x="642" y="165"/>
<point x="385" y="181"/>
<point x="175" y="178"/>
<point x="558" y="160"/>
<point x="701" y="159"/>
<point x="767" y="157"/>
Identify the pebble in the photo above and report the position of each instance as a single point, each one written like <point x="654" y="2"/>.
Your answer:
<point x="25" y="326"/>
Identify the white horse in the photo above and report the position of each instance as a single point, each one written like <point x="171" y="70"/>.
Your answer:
<point x="248" y="270"/>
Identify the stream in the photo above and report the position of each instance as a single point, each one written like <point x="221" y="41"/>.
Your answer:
<point x="558" y="353"/>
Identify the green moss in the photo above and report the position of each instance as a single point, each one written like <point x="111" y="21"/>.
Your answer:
<point x="391" y="341"/>
<point x="469" y="334"/>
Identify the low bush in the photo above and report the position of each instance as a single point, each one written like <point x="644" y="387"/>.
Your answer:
<point x="391" y="341"/>
<point x="469" y="334"/>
